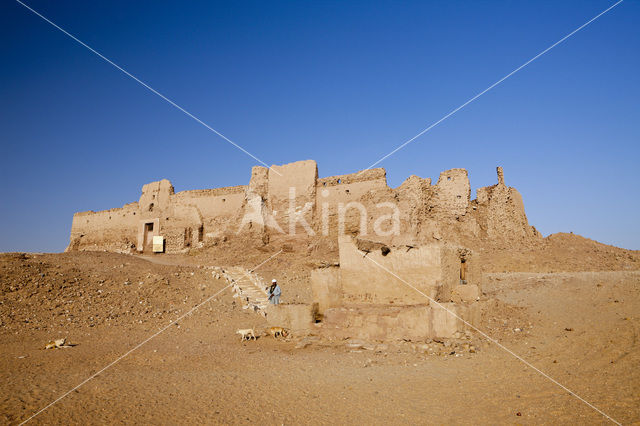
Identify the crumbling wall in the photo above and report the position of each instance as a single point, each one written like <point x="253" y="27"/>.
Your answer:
<point x="397" y="292"/>
<point x="358" y="204"/>
<point x="112" y="230"/>
<point x="297" y="182"/>
<point x="346" y="188"/>
<point x="339" y="200"/>
<point x="452" y="193"/>
<point x="213" y="202"/>
<point x="298" y="318"/>
<point x="501" y="212"/>
<point x="154" y="207"/>
<point x="210" y="213"/>
<point x="414" y="322"/>
<point x="379" y="278"/>
<point x="156" y="196"/>
<point x="450" y="264"/>
<point x="416" y="202"/>
<point x="253" y="218"/>
<point x="427" y="212"/>
<point x="372" y="272"/>
<point x="326" y="287"/>
<point x="184" y="219"/>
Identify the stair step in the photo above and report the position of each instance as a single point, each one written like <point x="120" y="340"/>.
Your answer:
<point x="249" y="287"/>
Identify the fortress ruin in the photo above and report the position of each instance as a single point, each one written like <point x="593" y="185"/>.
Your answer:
<point x="291" y="199"/>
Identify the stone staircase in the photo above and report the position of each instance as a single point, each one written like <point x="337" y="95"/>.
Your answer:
<point x="247" y="286"/>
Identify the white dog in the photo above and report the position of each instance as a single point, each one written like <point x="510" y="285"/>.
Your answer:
<point x="246" y="334"/>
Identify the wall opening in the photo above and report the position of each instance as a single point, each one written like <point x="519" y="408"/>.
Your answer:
<point x="463" y="271"/>
<point x="148" y="237"/>
<point x="200" y="233"/>
<point x="188" y="235"/>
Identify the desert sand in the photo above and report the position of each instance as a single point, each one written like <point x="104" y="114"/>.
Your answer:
<point x="575" y="321"/>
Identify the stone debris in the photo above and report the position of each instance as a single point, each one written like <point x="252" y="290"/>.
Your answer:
<point x="302" y="344"/>
<point x="355" y="344"/>
<point x="59" y="343"/>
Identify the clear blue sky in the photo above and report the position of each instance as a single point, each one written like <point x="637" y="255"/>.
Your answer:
<point x="342" y="83"/>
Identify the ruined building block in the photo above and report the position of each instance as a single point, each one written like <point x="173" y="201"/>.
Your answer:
<point x="417" y="211"/>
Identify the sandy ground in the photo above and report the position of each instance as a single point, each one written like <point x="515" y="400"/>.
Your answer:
<point x="579" y="328"/>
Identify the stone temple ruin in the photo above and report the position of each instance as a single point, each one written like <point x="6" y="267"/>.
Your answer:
<point x="403" y="251"/>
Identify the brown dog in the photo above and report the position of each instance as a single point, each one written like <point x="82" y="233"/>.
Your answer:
<point x="277" y="332"/>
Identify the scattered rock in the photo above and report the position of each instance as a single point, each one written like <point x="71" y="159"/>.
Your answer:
<point x="59" y="343"/>
<point x="354" y="344"/>
<point x="306" y="342"/>
<point x="302" y="344"/>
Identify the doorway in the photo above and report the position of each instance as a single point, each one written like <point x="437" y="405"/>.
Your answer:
<point x="188" y="237"/>
<point x="148" y="237"/>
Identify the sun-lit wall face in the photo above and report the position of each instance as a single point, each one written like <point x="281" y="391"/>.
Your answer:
<point x="291" y="200"/>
